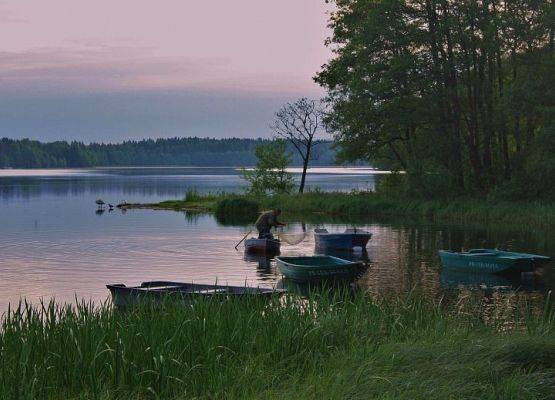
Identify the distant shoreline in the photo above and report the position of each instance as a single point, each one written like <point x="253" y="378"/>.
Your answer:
<point x="177" y="151"/>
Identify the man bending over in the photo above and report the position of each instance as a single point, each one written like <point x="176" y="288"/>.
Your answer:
<point x="266" y="221"/>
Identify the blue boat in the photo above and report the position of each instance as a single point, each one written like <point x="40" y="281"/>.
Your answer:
<point x="491" y="261"/>
<point x="341" y="241"/>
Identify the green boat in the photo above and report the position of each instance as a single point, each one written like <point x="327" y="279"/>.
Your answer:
<point x="319" y="267"/>
<point x="491" y="261"/>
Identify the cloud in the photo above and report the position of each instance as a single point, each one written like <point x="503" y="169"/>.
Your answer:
<point x="103" y="93"/>
<point x="7" y="15"/>
<point x="110" y="70"/>
<point x="98" y="70"/>
<point x="120" y="69"/>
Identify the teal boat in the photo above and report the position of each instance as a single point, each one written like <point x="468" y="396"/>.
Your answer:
<point x="318" y="267"/>
<point x="491" y="261"/>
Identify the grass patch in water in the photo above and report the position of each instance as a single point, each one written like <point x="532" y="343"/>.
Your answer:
<point x="357" y="204"/>
<point x="330" y="346"/>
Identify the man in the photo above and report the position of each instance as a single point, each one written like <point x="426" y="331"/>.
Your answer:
<point x="266" y="221"/>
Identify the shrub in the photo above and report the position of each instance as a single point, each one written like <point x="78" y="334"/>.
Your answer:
<point x="236" y="211"/>
<point x="534" y="173"/>
<point x="270" y="175"/>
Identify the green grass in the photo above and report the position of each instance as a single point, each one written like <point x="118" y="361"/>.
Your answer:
<point x="357" y="204"/>
<point x="364" y="203"/>
<point x="192" y="201"/>
<point x="330" y="346"/>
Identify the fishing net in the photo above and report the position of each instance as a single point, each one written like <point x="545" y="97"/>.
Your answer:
<point x="292" y="238"/>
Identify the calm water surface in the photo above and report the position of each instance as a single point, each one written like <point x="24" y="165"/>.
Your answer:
<point x="53" y="243"/>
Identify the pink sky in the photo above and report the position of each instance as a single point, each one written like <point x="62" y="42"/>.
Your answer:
<point x="62" y="47"/>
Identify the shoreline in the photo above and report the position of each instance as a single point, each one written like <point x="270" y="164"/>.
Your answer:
<point x="369" y="204"/>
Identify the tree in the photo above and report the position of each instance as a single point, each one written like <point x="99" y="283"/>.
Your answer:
<point x="298" y="123"/>
<point x="444" y="89"/>
<point x="270" y="175"/>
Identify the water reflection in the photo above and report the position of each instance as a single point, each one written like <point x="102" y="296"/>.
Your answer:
<point x="55" y="243"/>
<point x="470" y="280"/>
<point x="161" y="183"/>
<point x="265" y="265"/>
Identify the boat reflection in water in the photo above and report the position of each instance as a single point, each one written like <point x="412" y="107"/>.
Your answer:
<point x="264" y="267"/>
<point x="524" y="281"/>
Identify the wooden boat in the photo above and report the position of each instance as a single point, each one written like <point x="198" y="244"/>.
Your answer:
<point x="318" y="267"/>
<point x="341" y="241"/>
<point x="262" y="246"/>
<point x="155" y="290"/>
<point x="491" y="261"/>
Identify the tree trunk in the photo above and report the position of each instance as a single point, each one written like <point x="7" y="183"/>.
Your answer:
<point x="306" y="160"/>
<point x="303" y="177"/>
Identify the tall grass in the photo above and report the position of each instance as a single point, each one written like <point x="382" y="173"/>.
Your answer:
<point x="356" y="204"/>
<point x="232" y="210"/>
<point x="365" y="203"/>
<point x="192" y="194"/>
<point x="329" y="346"/>
<point x="537" y="214"/>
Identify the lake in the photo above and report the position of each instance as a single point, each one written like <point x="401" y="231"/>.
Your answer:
<point x="54" y="243"/>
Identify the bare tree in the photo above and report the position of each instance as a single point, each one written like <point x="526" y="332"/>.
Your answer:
<point x="298" y="123"/>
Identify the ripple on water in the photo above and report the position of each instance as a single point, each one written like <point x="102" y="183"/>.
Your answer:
<point x="55" y="245"/>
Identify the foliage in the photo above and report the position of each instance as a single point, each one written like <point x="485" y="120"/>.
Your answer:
<point x="455" y="89"/>
<point x="270" y="175"/>
<point x="393" y="185"/>
<point x="192" y="151"/>
<point x="192" y="195"/>
<point x="394" y="202"/>
<point x="357" y="204"/>
<point x="533" y="180"/>
<point x="331" y="345"/>
<point x="236" y="211"/>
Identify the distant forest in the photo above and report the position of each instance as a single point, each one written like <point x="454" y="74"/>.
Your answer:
<point x="191" y="151"/>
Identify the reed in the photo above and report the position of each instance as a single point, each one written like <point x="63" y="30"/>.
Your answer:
<point x="192" y="195"/>
<point x="369" y="204"/>
<point x="359" y="204"/>
<point x="333" y="345"/>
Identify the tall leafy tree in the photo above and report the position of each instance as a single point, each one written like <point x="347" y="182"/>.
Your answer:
<point x="440" y="87"/>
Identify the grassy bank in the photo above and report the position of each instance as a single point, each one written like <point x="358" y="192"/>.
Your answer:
<point x="327" y="347"/>
<point x="534" y="214"/>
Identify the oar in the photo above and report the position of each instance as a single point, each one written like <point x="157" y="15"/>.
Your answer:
<point x="241" y="241"/>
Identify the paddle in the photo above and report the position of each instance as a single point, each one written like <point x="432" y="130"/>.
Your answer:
<point x="244" y="237"/>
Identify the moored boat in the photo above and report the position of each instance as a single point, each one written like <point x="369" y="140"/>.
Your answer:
<point x="342" y="240"/>
<point x="318" y="267"/>
<point x="491" y="261"/>
<point x="263" y="246"/>
<point x="345" y="254"/>
<point x="156" y="290"/>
